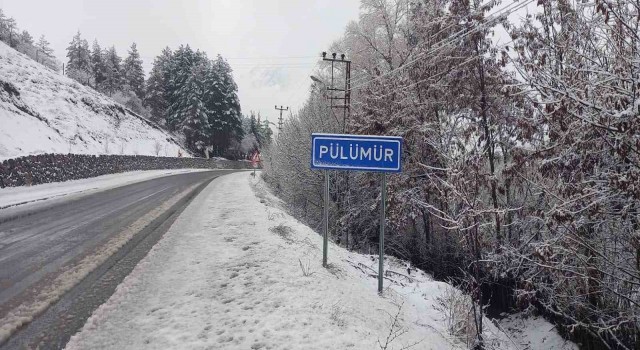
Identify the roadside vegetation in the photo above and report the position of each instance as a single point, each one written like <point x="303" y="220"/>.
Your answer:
<point x="521" y="163"/>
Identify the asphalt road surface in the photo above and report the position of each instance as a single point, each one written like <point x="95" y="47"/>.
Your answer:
<point x="34" y="247"/>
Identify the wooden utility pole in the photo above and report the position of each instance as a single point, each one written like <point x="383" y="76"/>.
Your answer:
<point x="281" y="121"/>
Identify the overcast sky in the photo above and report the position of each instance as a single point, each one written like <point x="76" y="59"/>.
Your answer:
<point x="272" y="45"/>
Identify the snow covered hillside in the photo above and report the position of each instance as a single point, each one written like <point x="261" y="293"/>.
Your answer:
<point x="243" y="274"/>
<point x="42" y="111"/>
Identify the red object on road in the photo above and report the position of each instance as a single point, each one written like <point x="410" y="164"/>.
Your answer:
<point x="255" y="159"/>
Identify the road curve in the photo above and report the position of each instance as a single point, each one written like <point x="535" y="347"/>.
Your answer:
<point x="35" y="247"/>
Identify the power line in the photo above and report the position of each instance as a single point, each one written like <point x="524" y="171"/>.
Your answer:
<point x="310" y="67"/>
<point x="268" y="58"/>
<point x="273" y="65"/>
<point x="298" y="87"/>
<point x="469" y="60"/>
<point x="452" y="39"/>
<point x="363" y="77"/>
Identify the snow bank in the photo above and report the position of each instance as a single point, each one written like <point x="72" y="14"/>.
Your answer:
<point x="236" y="272"/>
<point x="42" y="111"/>
<point x="37" y="302"/>
<point x="534" y="333"/>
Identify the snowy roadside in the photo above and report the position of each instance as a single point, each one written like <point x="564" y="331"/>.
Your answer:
<point x="235" y="271"/>
<point x="18" y="196"/>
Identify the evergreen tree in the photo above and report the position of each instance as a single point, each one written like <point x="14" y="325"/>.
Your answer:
<point x="11" y="31"/>
<point x="260" y="130"/>
<point x="253" y="124"/>
<point x="26" y="38"/>
<point x="222" y="101"/>
<point x="26" y="45"/>
<point x="85" y="55"/>
<point x="133" y="73"/>
<point x="196" y="96"/>
<point x="43" y="47"/>
<point x="7" y="29"/>
<point x="44" y="54"/>
<point x="157" y="87"/>
<point x="3" y="26"/>
<point x="191" y="110"/>
<point x="180" y="70"/>
<point x="73" y="52"/>
<point x="79" y="64"/>
<point x="266" y="133"/>
<point x="113" y="77"/>
<point x="98" y="66"/>
<point x="23" y="42"/>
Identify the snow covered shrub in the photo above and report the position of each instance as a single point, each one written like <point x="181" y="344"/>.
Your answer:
<point x="81" y="76"/>
<point x="157" y="147"/>
<point x="306" y="268"/>
<point x="396" y="330"/>
<point x="283" y="231"/>
<point x="129" y="99"/>
<point x="457" y="310"/>
<point x="337" y="315"/>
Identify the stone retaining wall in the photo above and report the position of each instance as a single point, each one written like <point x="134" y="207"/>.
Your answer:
<point x="44" y="168"/>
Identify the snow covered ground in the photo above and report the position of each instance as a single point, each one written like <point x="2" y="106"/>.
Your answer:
<point x="54" y="114"/>
<point x="236" y="272"/>
<point x="17" y="196"/>
<point x="534" y="333"/>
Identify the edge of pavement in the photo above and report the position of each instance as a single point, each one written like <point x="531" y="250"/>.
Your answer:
<point x="92" y="277"/>
<point x="24" y="209"/>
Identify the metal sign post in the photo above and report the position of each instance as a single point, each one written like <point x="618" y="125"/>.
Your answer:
<point x="383" y="207"/>
<point x="325" y="237"/>
<point x="356" y="153"/>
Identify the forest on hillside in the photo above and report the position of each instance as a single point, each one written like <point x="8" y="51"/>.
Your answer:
<point x="24" y="42"/>
<point x="521" y="159"/>
<point x="186" y="92"/>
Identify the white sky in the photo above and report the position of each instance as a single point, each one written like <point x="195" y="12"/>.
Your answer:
<point x="272" y="45"/>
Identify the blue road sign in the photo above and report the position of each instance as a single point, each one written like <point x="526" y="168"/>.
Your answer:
<point x="356" y="152"/>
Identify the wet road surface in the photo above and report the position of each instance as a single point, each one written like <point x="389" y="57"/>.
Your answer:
<point x="36" y="246"/>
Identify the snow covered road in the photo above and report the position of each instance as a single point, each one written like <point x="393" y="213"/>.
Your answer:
<point x="240" y="273"/>
<point x="46" y="253"/>
<point x="28" y="195"/>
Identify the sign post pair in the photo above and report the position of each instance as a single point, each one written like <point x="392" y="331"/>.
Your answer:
<point x="356" y="153"/>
